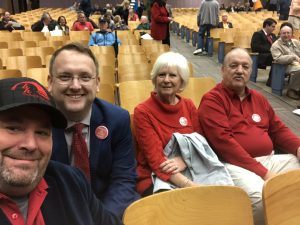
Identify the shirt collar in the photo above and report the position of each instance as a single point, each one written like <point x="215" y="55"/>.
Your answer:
<point x="231" y="94"/>
<point x="86" y="120"/>
<point x="42" y="185"/>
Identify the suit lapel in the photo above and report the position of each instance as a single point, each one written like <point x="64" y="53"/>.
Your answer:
<point x="60" y="148"/>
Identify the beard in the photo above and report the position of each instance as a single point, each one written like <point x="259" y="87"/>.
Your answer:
<point x="15" y="179"/>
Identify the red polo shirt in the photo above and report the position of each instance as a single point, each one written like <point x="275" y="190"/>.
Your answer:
<point x="34" y="216"/>
<point x="238" y="130"/>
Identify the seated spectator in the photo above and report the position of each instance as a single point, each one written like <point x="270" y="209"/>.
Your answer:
<point x="224" y="23"/>
<point x="157" y="118"/>
<point x="119" y="24"/>
<point x="8" y="23"/>
<point x="239" y="7"/>
<point x="144" y="25"/>
<point x="62" y="25"/>
<point x="261" y="43"/>
<point x="243" y="129"/>
<point x="104" y="37"/>
<point x="110" y="19"/>
<point x="284" y="9"/>
<point x="33" y="188"/>
<point x="74" y="7"/>
<point x="231" y="8"/>
<point x="247" y="7"/>
<point x="45" y="24"/>
<point x="123" y="11"/>
<point x="96" y="10"/>
<point x="286" y="50"/>
<point x="82" y="24"/>
<point x="132" y="16"/>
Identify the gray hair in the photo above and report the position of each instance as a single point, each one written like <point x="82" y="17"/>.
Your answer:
<point x="237" y="50"/>
<point x="172" y="59"/>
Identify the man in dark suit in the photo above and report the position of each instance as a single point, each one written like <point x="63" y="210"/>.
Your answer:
<point x="45" y="24"/>
<point x="105" y="142"/>
<point x="261" y="43"/>
<point x="224" y="23"/>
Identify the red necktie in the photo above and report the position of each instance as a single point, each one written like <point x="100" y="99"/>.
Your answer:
<point x="270" y="39"/>
<point x="79" y="150"/>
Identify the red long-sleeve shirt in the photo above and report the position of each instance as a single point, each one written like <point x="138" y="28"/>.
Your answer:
<point x="154" y="123"/>
<point x="238" y="130"/>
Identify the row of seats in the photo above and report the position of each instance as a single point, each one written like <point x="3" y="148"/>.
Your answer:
<point x="219" y="205"/>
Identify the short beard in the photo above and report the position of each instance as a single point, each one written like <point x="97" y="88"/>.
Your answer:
<point x="15" y="180"/>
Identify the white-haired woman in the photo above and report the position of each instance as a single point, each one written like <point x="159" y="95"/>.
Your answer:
<point x="157" y="118"/>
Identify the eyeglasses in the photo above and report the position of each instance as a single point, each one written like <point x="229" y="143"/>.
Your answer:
<point x="68" y="79"/>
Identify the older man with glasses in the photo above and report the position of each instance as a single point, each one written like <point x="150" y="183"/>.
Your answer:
<point x="98" y="137"/>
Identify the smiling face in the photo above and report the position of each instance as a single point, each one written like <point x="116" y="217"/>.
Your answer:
<point x="286" y="33"/>
<point x="73" y="99"/>
<point x="168" y="83"/>
<point x="26" y="146"/>
<point x="236" y="70"/>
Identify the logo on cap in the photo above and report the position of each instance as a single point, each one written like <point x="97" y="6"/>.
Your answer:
<point x="32" y="89"/>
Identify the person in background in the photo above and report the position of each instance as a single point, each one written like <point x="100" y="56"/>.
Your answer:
<point x="34" y="189"/>
<point x="98" y="138"/>
<point x="157" y="118"/>
<point x="286" y="50"/>
<point x="224" y="23"/>
<point x="284" y="8"/>
<point x="74" y="7"/>
<point x="45" y="24"/>
<point x="8" y="23"/>
<point x="82" y="24"/>
<point x="118" y="25"/>
<point x="96" y="10"/>
<point x="110" y="19"/>
<point x="207" y="18"/>
<point x="144" y="25"/>
<point x="132" y="16"/>
<point x="104" y="37"/>
<point x="123" y="11"/>
<point x="160" y="21"/>
<point x="86" y="7"/>
<point x="261" y="43"/>
<point x="62" y="25"/>
<point x="139" y="7"/>
<point x="294" y="14"/>
<point x="243" y="129"/>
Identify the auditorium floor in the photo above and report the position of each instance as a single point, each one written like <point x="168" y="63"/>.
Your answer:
<point x="208" y="66"/>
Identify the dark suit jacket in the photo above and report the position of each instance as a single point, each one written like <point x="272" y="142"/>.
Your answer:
<point x="260" y="44"/>
<point x="220" y="25"/>
<point x="112" y="161"/>
<point x="3" y="23"/>
<point x="38" y="26"/>
<point x="70" y="200"/>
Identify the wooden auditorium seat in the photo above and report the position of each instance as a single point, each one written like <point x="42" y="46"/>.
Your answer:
<point x="205" y="205"/>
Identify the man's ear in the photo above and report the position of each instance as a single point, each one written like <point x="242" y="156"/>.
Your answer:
<point x="50" y="80"/>
<point x="98" y="83"/>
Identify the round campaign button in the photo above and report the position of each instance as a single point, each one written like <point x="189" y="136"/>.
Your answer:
<point x="183" y="121"/>
<point x="101" y="132"/>
<point x="256" y="118"/>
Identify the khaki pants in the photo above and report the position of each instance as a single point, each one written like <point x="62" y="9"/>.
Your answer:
<point x="295" y="21"/>
<point x="253" y="184"/>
